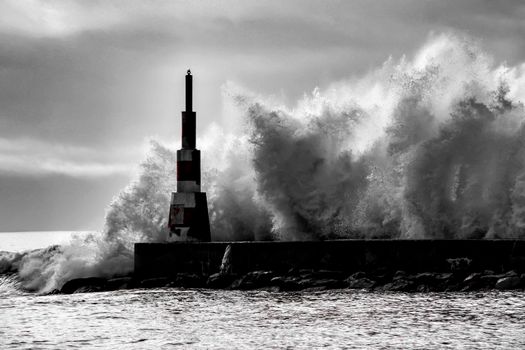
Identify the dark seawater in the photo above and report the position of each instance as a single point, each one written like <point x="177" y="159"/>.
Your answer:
<point x="203" y="319"/>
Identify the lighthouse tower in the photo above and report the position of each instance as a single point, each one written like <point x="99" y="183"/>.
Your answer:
<point x="188" y="218"/>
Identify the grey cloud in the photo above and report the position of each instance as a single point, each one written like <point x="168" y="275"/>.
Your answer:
<point x="27" y="157"/>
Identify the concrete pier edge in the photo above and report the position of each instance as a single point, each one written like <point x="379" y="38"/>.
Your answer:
<point x="168" y="259"/>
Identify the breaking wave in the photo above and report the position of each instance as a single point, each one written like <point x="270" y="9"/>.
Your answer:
<point x="431" y="147"/>
<point x="425" y="147"/>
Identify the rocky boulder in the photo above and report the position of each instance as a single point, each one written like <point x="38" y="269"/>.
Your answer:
<point x="509" y="282"/>
<point x="399" y="285"/>
<point x="120" y="283"/>
<point x="220" y="280"/>
<point x="84" y="285"/>
<point x="286" y="283"/>
<point x="254" y="280"/>
<point x="320" y="284"/>
<point x="360" y="283"/>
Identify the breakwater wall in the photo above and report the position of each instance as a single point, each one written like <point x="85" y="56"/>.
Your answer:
<point x="169" y="259"/>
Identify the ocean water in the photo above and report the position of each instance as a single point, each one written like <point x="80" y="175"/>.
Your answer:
<point x="28" y="240"/>
<point x="206" y="319"/>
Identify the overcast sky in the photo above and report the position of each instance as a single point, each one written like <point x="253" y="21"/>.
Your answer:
<point x="83" y="84"/>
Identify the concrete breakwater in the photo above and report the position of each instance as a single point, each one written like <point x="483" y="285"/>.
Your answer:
<point x="379" y="265"/>
<point x="414" y="256"/>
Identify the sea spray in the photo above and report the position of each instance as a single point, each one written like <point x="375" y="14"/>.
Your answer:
<point x="9" y="285"/>
<point x="137" y="214"/>
<point x="427" y="147"/>
<point x="236" y="210"/>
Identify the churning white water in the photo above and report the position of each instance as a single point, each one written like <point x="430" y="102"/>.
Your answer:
<point x="429" y="146"/>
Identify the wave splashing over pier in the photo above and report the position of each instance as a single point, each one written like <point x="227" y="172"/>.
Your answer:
<point x="427" y="147"/>
<point x="423" y="147"/>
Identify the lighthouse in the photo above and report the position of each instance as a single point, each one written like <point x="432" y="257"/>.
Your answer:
<point x="188" y="217"/>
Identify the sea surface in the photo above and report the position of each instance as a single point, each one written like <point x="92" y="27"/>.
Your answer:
<point x="210" y="319"/>
<point x="27" y="240"/>
<point x="206" y="319"/>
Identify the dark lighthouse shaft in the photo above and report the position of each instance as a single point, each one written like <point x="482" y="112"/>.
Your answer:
<point x="188" y="116"/>
<point x="188" y="218"/>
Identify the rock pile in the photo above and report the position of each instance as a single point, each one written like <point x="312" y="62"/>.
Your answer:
<point x="315" y="280"/>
